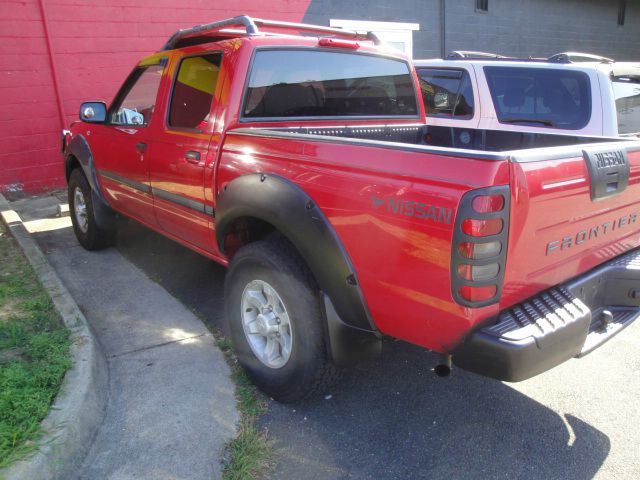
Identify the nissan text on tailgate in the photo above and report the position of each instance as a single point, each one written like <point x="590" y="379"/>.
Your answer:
<point x="300" y="157"/>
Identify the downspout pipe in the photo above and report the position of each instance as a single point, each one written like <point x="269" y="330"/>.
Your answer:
<point x="52" y="63"/>
<point x="443" y="29"/>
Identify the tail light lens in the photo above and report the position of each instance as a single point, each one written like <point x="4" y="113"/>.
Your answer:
<point x="488" y="203"/>
<point x="478" y="272"/>
<point x="479" y="250"/>
<point x="480" y="246"/>
<point x="482" y="228"/>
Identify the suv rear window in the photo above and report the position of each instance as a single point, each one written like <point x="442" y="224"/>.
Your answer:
<point x="541" y="97"/>
<point x="627" y="94"/>
<point x="316" y="84"/>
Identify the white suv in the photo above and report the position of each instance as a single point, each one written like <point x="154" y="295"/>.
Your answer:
<point x="575" y="94"/>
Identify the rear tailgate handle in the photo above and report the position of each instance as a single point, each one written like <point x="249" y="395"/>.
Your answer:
<point x="192" y="157"/>
<point x="608" y="171"/>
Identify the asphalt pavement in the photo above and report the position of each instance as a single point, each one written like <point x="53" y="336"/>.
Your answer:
<point x="393" y="419"/>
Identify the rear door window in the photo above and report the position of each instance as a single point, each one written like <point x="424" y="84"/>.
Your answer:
<point x="193" y="91"/>
<point x="316" y="83"/>
<point x="446" y="93"/>
<point x="541" y="97"/>
<point x="626" y="91"/>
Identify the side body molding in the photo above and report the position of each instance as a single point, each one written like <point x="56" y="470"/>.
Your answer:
<point x="291" y="210"/>
<point x="79" y="148"/>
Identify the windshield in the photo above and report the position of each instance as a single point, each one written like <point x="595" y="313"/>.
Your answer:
<point x="544" y="97"/>
<point x="626" y="91"/>
<point x="317" y="83"/>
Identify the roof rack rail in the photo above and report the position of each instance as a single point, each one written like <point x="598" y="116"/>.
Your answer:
<point x="577" y="57"/>
<point x="251" y="28"/>
<point x="460" y="54"/>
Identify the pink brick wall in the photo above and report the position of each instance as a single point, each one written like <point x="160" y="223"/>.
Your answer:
<point x="96" y="43"/>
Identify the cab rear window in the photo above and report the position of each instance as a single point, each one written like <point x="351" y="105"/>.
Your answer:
<point x="541" y="97"/>
<point x="316" y="84"/>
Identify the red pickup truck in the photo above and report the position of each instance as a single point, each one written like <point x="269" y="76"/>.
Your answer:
<point x="300" y="156"/>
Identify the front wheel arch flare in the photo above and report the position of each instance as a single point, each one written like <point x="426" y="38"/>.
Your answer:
<point x="283" y="204"/>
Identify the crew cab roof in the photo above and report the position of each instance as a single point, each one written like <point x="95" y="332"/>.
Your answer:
<point x="274" y="33"/>
<point x="286" y="40"/>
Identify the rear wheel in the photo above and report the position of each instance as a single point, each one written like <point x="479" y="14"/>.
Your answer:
<point x="275" y="319"/>
<point x="87" y="231"/>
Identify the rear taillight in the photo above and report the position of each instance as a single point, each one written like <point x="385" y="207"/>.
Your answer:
<point x="480" y="246"/>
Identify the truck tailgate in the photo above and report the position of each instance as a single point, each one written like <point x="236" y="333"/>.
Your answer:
<point x="571" y="210"/>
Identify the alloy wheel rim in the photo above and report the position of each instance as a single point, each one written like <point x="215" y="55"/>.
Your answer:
<point x="80" y="210"/>
<point x="266" y="324"/>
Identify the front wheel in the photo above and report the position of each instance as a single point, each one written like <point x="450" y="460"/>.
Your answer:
<point x="87" y="231"/>
<point x="275" y="319"/>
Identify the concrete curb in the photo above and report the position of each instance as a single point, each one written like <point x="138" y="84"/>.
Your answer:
<point x="80" y="405"/>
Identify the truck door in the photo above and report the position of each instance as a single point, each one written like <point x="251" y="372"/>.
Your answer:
<point x="122" y="144"/>
<point x="180" y="151"/>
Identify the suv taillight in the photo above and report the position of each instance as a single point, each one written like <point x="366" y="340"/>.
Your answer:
<point x="479" y="249"/>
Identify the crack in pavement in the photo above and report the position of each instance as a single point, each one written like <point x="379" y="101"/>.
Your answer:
<point x="150" y="347"/>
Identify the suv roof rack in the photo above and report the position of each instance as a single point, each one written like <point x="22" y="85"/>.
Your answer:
<point x="460" y="54"/>
<point x="562" y="57"/>
<point x="471" y="55"/>
<point x="251" y="28"/>
<point x="573" y="57"/>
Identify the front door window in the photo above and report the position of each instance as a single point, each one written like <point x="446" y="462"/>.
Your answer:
<point x="136" y="104"/>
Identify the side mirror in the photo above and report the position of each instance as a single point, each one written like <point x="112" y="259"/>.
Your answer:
<point x="93" y="112"/>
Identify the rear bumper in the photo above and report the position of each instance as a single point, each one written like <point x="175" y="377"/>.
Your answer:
<point x="569" y="320"/>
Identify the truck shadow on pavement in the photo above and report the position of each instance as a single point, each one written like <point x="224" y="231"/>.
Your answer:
<point x="391" y="419"/>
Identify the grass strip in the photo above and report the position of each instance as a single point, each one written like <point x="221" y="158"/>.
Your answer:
<point x="249" y="456"/>
<point x="34" y="353"/>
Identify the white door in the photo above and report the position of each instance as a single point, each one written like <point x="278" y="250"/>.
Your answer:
<point x="394" y="34"/>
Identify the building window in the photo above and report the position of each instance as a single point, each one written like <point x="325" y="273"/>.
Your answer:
<point x="482" y="6"/>
<point x="622" y="7"/>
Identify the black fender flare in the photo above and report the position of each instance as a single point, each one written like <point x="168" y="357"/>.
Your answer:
<point x="79" y="148"/>
<point x="287" y="207"/>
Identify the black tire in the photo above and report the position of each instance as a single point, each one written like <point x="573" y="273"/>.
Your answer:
<point x="89" y="235"/>
<point x="308" y="371"/>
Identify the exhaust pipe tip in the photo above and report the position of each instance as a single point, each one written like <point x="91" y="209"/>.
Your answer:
<point x="443" y="367"/>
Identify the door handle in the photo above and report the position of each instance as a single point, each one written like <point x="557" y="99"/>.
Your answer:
<point x="192" y="157"/>
<point x="141" y="147"/>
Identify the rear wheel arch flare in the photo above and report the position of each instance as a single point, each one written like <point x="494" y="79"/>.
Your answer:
<point x="280" y="203"/>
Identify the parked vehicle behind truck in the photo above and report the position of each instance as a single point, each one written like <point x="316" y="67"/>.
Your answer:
<point x="569" y="93"/>
<point x="306" y="165"/>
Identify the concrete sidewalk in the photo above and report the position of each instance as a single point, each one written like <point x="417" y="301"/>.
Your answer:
<point x="171" y="407"/>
